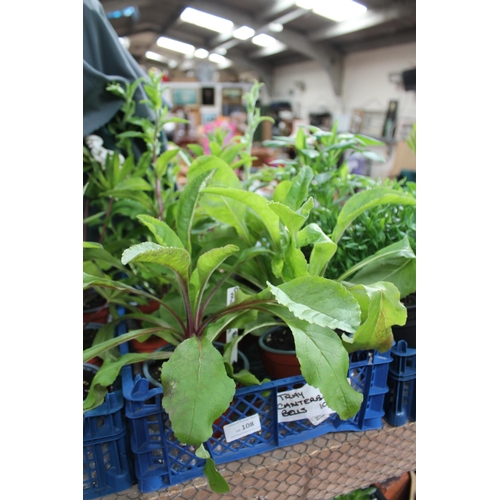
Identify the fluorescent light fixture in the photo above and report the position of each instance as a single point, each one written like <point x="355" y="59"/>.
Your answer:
<point x="276" y="27"/>
<point x="220" y="50"/>
<point x="243" y="33"/>
<point x="208" y="21"/>
<point x="175" y="45"/>
<point x="264" y="40"/>
<point x="221" y="61"/>
<point x="156" y="57"/>
<point x="337" y="10"/>
<point x="201" y="53"/>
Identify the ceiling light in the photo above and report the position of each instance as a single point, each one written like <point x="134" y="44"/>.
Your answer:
<point x="276" y="27"/>
<point x="221" y="61"/>
<point x="208" y="21"/>
<point x="156" y="57"/>
<point x="175" y="45"/>
<point x="339" y="10"/>
<point x="243" y="33"/>
<point x="220" y="50"/>
<point x="264" y="40"/>
<point x="201" y="53"/>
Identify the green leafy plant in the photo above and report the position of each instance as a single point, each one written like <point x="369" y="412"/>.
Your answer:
<point x="314" y="308"/>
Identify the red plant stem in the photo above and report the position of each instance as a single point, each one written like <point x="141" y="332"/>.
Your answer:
<point x="105" y="223"/>
<point x="255" y="305"/>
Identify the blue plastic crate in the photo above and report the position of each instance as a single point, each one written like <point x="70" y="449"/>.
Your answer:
<point x="400" y="402"/>
<point x="107" y="466"/>
<point x="107" y="458"/>
<point x="162" y="461"/>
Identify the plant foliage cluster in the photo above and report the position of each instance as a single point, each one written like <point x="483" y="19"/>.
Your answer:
<point x="183" y="248"/>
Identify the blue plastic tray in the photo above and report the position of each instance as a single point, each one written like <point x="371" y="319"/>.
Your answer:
<point x="161" y="460"/>
<point x="400" y="402"/>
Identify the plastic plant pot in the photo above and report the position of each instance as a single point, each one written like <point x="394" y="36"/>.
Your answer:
<point x="277" y="362"/>
<point x="97" y="310"/>
<point x="89" y="370"/>
<point x="89" y="332"/>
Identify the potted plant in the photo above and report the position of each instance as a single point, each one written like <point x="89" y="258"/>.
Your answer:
<point x="312" y="306"/>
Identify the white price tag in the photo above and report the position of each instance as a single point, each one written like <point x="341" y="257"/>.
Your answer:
<point x="298" y="404"/>
<point x="242" y="427"/>
<point x="317" y="420"/>
<point x="232" y="332"/>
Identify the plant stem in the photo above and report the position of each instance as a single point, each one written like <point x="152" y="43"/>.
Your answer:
<point x="106" y="218"/>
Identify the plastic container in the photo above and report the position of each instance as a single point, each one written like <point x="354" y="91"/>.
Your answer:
<point x="400" y="402"/>
<point x="161" y="460"/>
<point x="107" y="458"/>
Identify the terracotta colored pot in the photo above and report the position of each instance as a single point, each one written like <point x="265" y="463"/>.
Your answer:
<point x="153" y="342"/>
<point x="89" y="338"/>
<point x="278" y="363"/>
<point x="96" y="315"/>
<point x="149" y="345"/>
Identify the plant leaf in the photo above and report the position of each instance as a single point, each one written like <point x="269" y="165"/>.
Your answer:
<point x="395" y="263"/>
<point x="323" y="248"/>
<point x="162" y="232"/>
<point x="299" y="189"/>
<point x="215" y="480"/>
<point x="381" y="309"/>
<point x="174" y="258"/>
<point x="196" y="389"/>
<point x="364" y="200"/>
<point x="187" y="205"/>
<point x="320" y="301"/>
<point x="255" y="202"/>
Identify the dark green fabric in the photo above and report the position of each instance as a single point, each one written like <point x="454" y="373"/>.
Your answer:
<point x="105" y="60"/>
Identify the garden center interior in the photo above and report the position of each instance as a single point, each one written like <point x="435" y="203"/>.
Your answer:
<point x="302" y="108"/>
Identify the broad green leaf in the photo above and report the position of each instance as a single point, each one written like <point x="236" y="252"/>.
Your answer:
<point x="187" y="203"/>
<point x="292" y="220"/>
<point x="281" y="190"/>
<point x="133" y="184"/>
<point x="174" y="258"/>
<point x="395" y="263"/>
<point x="221" y="208"/>
<point x="369" y="141"/>
<point x="381" y="309"/>
<point x="323" y="248"/>
<point x="163" y="160"/>
<point x="207" y="263"/>
<point x="91" y="244"/>
<point x="299" y="189"/>
<point x="215" y="480"/>
<point x="324" y="364"/>
<point x="365" y="200"/>
<point x="300" y="139"/>
<point x="138" y="196"/>
<point x="196" y="389"/>
<point x="162" y="232"/>
<point x="101" y="255"/>
<point x="294" y="263"/>
<point x="320" y="301"/>
<point x="255" y="202"/>
<point x="196" y="149"/>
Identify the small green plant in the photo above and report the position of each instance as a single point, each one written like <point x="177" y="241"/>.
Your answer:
<point x="360" y="494"/>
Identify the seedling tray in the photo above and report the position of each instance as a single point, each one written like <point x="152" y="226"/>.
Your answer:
<point x="162" y="461"/>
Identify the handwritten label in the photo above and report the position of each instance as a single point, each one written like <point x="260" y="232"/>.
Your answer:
<point x="232" y="332"/>
<point x="242" y="428"/>
<point x="297" y="404"/>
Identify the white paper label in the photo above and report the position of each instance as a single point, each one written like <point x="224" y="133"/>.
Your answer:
<point x="242" y="428"/>
<point x="298" y="404"/>
<point x="317" y="420"/>
<point x="232" y="332"/>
